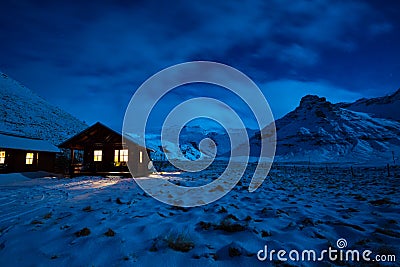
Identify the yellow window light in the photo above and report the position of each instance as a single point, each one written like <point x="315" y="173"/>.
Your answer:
<point x="29" y="158"/>
<point x="98" y="155"/>
<point x="2" y="157"/>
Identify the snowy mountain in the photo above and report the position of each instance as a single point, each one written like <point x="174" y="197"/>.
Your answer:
<point x="320" y="131"/>
<point x="24" y="112"/>
<point x="381" y="107"/>
<point x="153" y="141"/>
<point x="316" y="131"/>
<point x="189" y="138"/>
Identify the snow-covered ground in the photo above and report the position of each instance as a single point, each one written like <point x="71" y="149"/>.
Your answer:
<point x="94" y="221"/>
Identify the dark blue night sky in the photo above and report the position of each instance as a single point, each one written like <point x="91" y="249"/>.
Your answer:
<point x="88" y="57"/>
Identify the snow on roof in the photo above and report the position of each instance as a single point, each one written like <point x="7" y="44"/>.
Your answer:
<point x="10" y="140"/>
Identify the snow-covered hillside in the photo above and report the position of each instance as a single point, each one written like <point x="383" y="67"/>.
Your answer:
<point x="24" y="112"/>
<point x="381" y="107"/>
<point x="320" y="131"/>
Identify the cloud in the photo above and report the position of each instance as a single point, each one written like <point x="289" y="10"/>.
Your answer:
<point x="150" y="34"/>
<point x="298" y="55"/>
<point x="106" y="49"/>
<point x="381" y="28"/>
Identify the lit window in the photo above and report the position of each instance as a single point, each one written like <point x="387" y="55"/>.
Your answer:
<point x="116" y="156"/>
<point x="98" y="155"/>
<point x="2" y="157"/>
<point x="121" y="155"/>
<point x="29" y="158"/>
<point x="140" y="157"/>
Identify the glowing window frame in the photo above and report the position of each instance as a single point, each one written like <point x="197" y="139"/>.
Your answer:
<point x="2" y="157"/>
<point x="120" y="155"/>
<point x="29" y="158"/>
<point x="97" y="155"/>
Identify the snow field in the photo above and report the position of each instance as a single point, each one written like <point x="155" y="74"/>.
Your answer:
<point x="64" y="222"/>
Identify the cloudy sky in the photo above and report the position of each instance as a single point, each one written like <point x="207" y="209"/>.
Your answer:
<point x="89" y="57"/>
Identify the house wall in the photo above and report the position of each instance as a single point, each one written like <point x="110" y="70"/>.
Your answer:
<point x="15" y="161"/>
<point x="47" y="161"/>
<point x="140" y="169"/>
<point x="107" y="164"/>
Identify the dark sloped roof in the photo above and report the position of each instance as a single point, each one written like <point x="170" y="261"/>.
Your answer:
<point x="97" y="133"/>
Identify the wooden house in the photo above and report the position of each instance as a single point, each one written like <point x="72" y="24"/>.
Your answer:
<point x="99" y="150"/>
<point x="22" y="154"/>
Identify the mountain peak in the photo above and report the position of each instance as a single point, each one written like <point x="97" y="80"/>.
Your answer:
<point x="311" y="100"/>
<point x="320" y="131"/>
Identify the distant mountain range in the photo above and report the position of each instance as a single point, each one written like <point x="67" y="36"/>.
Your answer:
<point x="366" y="131"/>
<point x="386" y="107"/>
<point x="25" y="113"/>
<point x="320" y="131"/>
<point x="189" y="138"/>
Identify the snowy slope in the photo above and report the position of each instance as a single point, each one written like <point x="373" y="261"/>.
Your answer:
<point x="320" y="131"/>
<point x="190" y="138"/>
<point x="381" y="107"/>
<point x="24" y="112"/>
